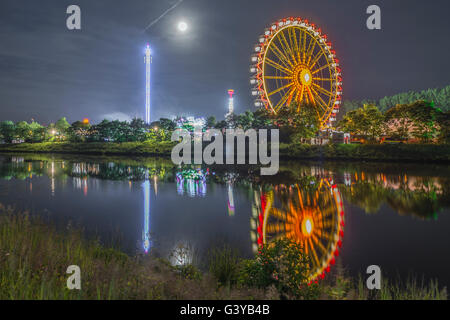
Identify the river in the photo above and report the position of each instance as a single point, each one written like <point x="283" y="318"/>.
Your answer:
<point x="396" y="216"/>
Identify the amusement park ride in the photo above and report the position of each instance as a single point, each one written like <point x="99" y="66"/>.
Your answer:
<point x="294" y="62"/>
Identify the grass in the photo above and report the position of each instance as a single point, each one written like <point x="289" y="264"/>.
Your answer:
<point x="366" y="152"/>
<point x="95" y="148"/>
<point x="34" y="257"/>
<point x="223" y="264"/>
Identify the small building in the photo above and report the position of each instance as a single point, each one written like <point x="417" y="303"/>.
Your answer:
<point x="339" y="137"/>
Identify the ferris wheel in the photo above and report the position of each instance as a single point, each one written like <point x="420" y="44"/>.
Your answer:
<point x="295" y="62"/>
<point x="312" y="217"/>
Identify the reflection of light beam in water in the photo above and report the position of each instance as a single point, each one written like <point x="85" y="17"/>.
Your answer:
<point x="146" y="235"/>
<point x="53" y="178"/>
<point x="155" y="184"/>
<point x="230" y="200"/>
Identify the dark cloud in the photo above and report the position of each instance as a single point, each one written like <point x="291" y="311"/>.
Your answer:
<point x="47" y="71"/>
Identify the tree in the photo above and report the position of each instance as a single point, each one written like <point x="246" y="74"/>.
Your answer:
<point x="23" y="131"/>
<point x="418" y="120"/>
<point x="297" y="122"/>
<point x="167" y="124"/>
<point x="262" y="119"/>
<point x="366" y="122"/>
<point x="441" y="98"/>
<point x="62" y="125"/>
<point x="211" y="122"/>
<point x="444" y="123"/>
<point x="221" y="125"/>
<point x="138" y="130"/>
<point x="425" y="118"/>
<point x="245" y="120"/>
<point x="7" y="131"/>
<point x="232" y="120"/>
<point x="398" y="123"/>
<point x="37" y="133"/>
<point x="79" y="132"/>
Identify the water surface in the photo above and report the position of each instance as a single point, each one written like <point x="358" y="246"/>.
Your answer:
<point x="357" y="214"/>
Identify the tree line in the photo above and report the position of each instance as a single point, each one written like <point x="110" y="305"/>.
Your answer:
<point x="420" y="121"/>
<point x="113" y="131"/>
<point x="440" y="97"/>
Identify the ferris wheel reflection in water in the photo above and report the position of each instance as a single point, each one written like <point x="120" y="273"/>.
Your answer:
<point x="311" y="215"/>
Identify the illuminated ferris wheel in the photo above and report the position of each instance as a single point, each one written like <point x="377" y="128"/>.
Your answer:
<point x="312" y="217"/>
<point x="295" y="62"/>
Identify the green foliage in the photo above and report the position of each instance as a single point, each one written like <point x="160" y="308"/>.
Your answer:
<point x="38" y="133"/>
<point x="246" y="120"/>
<point x="224" y="264"/>
<point x="7" y="131"/>
<point x="79" y="132"/>
<point x="167" y="124"/>
<point x="296" y="122"/>
<point x="211" y="122"/>
<point x="221" y="125"/>
<point x="261" y="119"/>
<point x="34" y="257"/>
<point x="444" y="124"/>
<point x="364" y="122"/>
<point x="283" y="265"/>
<point x="418" y="120"/>
<point x="62" y="125"/>
<point x="440" y="97"/>
<point x="411" y="289"/>
<point x="163" y="148"/>
<point x="383" y="152"/>
<point x="23" y="131"/>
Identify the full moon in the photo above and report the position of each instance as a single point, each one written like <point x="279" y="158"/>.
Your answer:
<point x="182" y="26"/>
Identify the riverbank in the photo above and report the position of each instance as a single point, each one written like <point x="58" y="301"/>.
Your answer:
<point x="34" y="257"/>
<point x="368" y="152"/>
<point x="94" y="148"/>
<point x="355" y="152"/>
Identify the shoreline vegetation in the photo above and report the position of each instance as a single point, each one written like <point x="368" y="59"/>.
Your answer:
<point x="354" y="152"/>
<point x="34" y="257"/>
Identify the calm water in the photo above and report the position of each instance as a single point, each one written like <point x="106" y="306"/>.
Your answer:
<point x="396" y="216"/>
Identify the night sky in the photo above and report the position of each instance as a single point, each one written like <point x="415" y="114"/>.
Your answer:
<point x="47" y="71"/>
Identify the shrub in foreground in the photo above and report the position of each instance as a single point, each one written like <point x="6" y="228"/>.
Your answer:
<point x="283" y="265"/>
<point x="224" y="264"/>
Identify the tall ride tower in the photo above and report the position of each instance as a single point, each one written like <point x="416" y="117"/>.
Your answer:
<point x="230" y="102"/>
<point x="148" y="62"/>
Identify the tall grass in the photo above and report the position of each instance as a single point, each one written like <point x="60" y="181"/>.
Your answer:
<point x="34" y="258"/>
<point x="223" y="264"/>
<point x="411" y="289"/>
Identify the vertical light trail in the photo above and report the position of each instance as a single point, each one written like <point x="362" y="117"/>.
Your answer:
<point x="148" y="62"/>
<point x="231" y="207"/>
<point x="146" y="236"/>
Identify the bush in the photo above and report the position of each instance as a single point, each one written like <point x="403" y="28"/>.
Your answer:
<point x="283" y="265"/>
<point x="188" y="271"/>
<point x="224" y="264"/>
